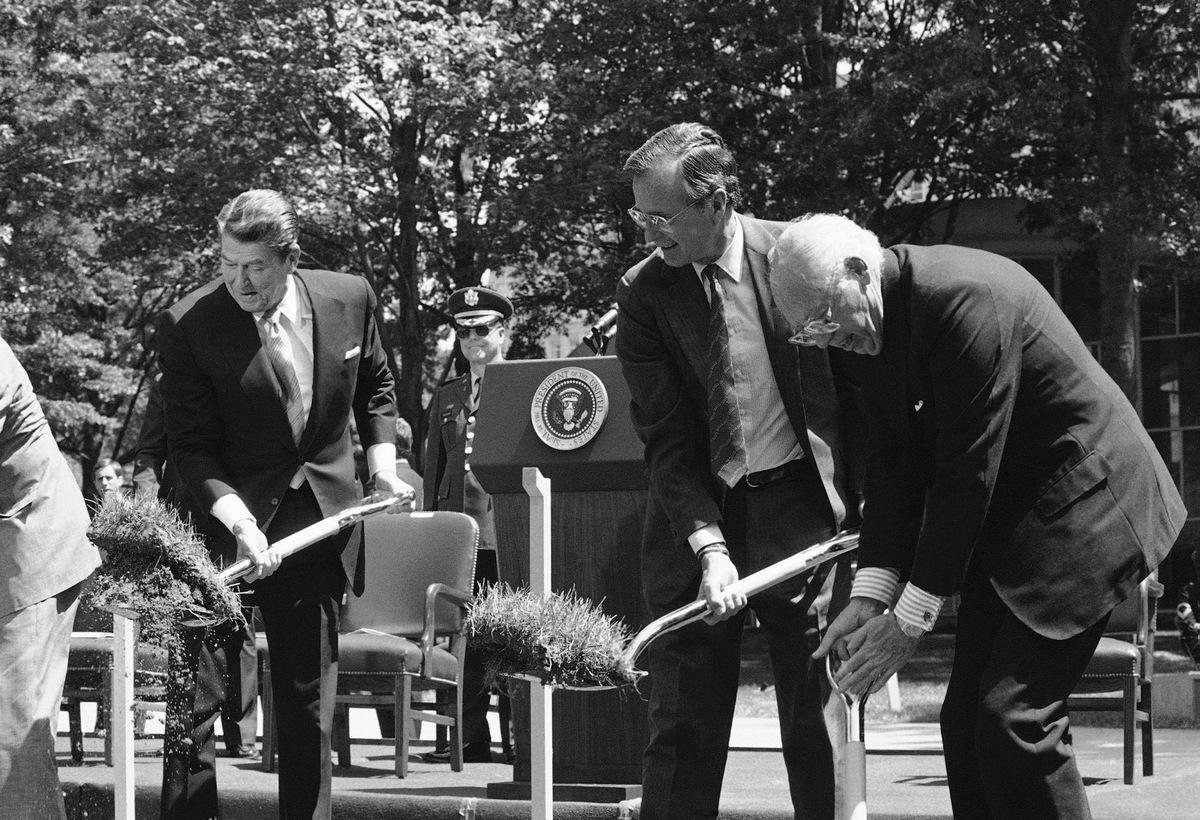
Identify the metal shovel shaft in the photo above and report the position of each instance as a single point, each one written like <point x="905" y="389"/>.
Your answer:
<point x="752" y="584"/>
<point x="312" y="534"/>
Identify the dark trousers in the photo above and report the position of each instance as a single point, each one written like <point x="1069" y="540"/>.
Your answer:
<point x="694" y="671"/>
<point x="299" y="605"/>
<point x="1005" y="727"/>
<point x="212" y="675"/>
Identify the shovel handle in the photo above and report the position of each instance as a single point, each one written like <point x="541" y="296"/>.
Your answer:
<point x="313" y="533"/>
<point x="752" y="584"/>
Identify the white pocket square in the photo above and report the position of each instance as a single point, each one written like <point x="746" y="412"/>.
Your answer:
<point x="351" y="353"/>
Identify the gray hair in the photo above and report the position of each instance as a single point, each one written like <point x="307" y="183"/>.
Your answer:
<point x="261" y="216"/>
<point x="822" y="247"/>
<point x="706" y="162"/>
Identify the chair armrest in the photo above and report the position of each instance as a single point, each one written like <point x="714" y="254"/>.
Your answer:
<point x="432" y="593"/>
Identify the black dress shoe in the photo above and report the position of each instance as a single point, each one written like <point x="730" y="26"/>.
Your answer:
<point x="472" y="753"/>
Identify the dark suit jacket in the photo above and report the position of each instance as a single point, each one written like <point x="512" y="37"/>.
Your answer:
<point x="661" y="343"/>
<point x="227" y="430"/>
<point x="44" y="547"/>
<point x="996" y="438"/>
<point x="448" y="485"/>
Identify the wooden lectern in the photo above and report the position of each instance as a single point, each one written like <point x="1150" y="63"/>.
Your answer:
<point x="598" y="504"/>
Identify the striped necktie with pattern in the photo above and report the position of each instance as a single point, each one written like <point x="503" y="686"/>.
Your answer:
<point x="726" y="442"/>
<point x="279" y="351"/>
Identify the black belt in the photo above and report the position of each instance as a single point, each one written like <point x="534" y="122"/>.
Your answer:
<point x="776" y="475"/>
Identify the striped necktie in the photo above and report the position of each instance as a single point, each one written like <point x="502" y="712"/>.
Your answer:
<point x="726" y="442"/>
<point x="279" y="351"/>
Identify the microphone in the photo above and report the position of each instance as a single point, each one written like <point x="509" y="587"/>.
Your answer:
<point x="602" y="331"/>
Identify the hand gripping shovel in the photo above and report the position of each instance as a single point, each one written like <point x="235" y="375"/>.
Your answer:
<point x="291" y="544"/>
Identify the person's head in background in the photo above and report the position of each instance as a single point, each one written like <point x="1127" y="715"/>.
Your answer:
<point x="479" y="316"/>
<point x="108" y="478"/>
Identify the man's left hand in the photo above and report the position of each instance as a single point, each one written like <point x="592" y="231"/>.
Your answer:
<point x="389" y="485"/>
<point x="878" y="649"/>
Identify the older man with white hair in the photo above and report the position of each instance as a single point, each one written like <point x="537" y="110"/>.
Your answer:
<point x="1004" y="465"/>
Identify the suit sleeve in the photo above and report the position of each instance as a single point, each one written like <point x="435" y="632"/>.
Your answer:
<point x="971" y="353"/>
<point x="676" y="456"/>
<point x="151" y="452"/>
<point x="375" y="392"/>
<point x="192" y="416"/>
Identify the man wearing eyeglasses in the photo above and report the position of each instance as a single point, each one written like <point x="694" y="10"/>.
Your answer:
<point x="1005" y="466"/>
<point x="479" y="315"/>
<point x="744" y="446"/>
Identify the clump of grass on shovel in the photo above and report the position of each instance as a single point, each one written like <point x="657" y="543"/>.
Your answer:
<point x="561" y="640"/>
<point x="156" y="566"/>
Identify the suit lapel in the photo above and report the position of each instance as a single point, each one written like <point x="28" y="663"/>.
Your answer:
<point x="686" y="307"/>
<point x="329" y="314"/>
<point x="245" y="354"/>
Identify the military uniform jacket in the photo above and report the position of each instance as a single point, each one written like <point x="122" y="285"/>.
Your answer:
<point x="449" y="483"/>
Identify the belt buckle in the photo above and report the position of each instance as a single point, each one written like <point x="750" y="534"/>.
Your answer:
<point x="769" y="477"/>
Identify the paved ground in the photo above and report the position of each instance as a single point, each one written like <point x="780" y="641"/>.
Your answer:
<point x="905" y="779"/>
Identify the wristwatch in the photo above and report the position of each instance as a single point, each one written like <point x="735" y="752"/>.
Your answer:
<point x="911" y="630"/>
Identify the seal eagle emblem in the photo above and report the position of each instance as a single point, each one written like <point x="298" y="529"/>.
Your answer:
<point x="569" y="408"/>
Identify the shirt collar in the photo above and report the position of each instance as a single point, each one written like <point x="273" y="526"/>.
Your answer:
<point x="731" y="260"/>
<point x="294" y="306"/>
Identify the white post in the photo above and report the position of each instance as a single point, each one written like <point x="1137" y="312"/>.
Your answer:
<point x="893" y="690"/>
<point x="541" y="723"/>
<point x="124" y="649"/>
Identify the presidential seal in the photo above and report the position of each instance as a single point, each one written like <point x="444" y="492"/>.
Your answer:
<point x="569" y="408"/>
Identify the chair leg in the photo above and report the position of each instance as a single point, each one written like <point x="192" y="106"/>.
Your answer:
<point x="456" y="750"/>
<point x="270" y="737"/>
<point x="75" y="722"/>
<point x="1130" y="720"/>
<point x="340" y="734"/>
<point x="1147" y="732"/>
<point x="403" y="711"/>
<point x="504" y="711"/>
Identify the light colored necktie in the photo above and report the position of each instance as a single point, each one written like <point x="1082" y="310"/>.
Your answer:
<point x="279" y="351"/>
<point x="726" y="442"/>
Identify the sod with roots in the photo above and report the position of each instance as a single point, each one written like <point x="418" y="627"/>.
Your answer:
<point x="157" y="568"/>
<point x="561" y="640"/>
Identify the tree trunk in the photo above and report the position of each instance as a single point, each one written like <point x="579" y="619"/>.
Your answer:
<point x="1107" y="33"/>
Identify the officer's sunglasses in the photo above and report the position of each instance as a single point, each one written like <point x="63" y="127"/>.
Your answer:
<point x="481" y="331"/>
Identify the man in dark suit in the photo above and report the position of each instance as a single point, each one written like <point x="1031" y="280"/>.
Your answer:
<point x="45" y="555"/>
<point x="1005" y="465"/>
<point x="783" y="488"/>
<point x="234" y="660"/>
<point x="479" y="316"/>
<point x="261" y="371"/>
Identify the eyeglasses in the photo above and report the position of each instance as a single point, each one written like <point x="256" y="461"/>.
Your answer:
<point x="647" y="221"/>
<point x="480" y="331"/>
<point x="821" y="328"/>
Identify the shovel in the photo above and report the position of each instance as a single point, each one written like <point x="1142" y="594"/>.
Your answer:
<point x="623" y="665"/>
<point x="854" y="775"/>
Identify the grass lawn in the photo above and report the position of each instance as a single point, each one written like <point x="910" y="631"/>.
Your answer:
<point x="923" y="683"/>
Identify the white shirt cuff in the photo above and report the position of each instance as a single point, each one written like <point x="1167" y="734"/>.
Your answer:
<point x="229" y="509"/>
<point x="917" y="607"/>
<point x="701" y="538"/>
<point x="877" y="583"/>
<point x="380" y="457"/>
